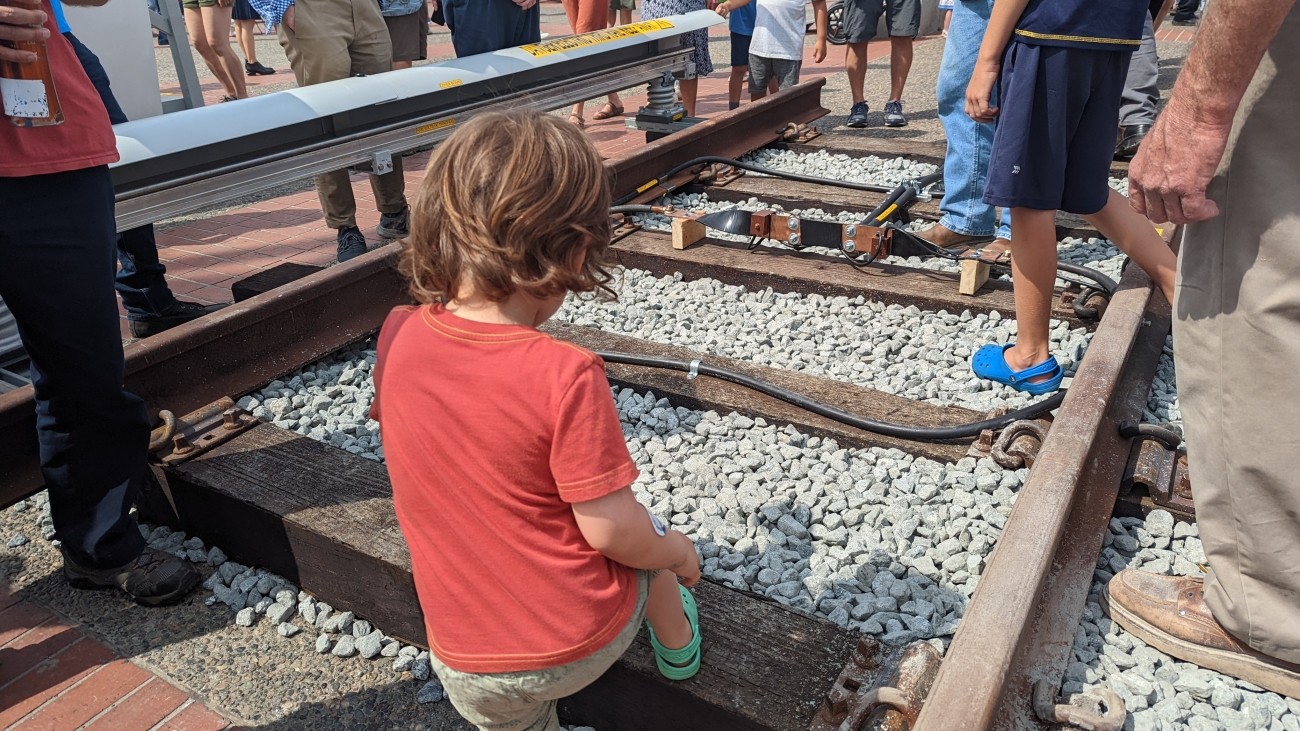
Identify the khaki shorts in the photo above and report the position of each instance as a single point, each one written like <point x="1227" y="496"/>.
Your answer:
<point x="410" y="34"/>
<point x="196" y="4"/>
<point x="526" y="700"/>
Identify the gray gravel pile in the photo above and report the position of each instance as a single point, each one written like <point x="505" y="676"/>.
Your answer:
<point x="871" y="169"/>
<point x="1162" y="402"/>
<point x="922" y="355"/>
<point x="1159" y="691"/>
<point x="872" y="539"/>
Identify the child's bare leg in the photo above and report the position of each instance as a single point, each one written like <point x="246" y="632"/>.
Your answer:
<point x="735" y="84"/>
<point x="1135" y="236"/>
<point x="1033" y="271"/>
<point x="663" y="610"/>
<point x="625" y="16"/>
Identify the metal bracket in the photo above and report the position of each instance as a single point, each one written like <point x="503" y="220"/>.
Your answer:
<point x="178" y="440"/>
<point x="1018" y="444"/>
<point x="1162" y="472"/>
<point x="719" y="174"/>
<point x="1104" y="711"/>
<point x="382" y="162"/>
<point x="880" y="687"/>
<point x="799" y="133"/>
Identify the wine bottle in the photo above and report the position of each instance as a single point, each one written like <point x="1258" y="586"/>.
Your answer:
<point x="30" y="99"/>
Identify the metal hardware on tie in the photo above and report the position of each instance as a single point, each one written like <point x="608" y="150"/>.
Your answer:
<point x="1107" y="711"/>
<point x="694" y="371"/>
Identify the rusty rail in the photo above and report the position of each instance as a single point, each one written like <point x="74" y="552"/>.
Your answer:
<point x="252" y="342"/>
<point x="1019" y="629"/>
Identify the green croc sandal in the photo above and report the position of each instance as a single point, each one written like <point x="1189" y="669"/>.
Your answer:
<point x="680" y="664"/>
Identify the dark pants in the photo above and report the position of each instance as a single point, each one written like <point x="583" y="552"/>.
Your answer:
<point x="140" y="281"/>
<point x="483" y="26"/>
<point x="56" y="239"/>
<point x="1186" y="9"/>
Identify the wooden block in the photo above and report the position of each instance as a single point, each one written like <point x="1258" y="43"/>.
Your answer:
<point x="974" y="273"/>
<point x="686" y="231"/>
<point x="324" y="519"/>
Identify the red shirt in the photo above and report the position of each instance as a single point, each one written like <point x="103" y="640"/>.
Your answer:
<point x="84" y="140"/>
<point x="490" y="432"/>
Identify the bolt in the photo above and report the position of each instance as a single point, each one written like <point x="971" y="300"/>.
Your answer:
<point x="864" y="655"/>
<point x="850" y="230"/>
<point x="793" y="225"/>
<point x="850" y="246"/>
<point x="181" y="445"/>
<point x="230" y="419"/>
<point x="794" y="239"/>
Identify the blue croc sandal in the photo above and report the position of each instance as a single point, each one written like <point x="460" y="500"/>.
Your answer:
<point x="684" y="663"/>
<point x="990" y="362"/>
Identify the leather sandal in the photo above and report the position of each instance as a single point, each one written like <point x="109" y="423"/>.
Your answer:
<point x="577" y="121"/>
<point x="608" y="111"/>
<point x="990" y="362"/>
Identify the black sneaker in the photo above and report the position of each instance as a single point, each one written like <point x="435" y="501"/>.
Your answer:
<point x="179" y="313"/>
<point x="1184" y="21"/>
<point x="257" y="69"/>
<point x="395" y="225"/>
<point x="352" y="243"/>
<point x="153" y="578"/>
<point x="858" y="115"/>
<point x="894" y="114"/>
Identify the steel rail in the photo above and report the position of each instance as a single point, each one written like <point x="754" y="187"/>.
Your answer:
<point x="249" y="343"/>
<point x="1020" y="625"/>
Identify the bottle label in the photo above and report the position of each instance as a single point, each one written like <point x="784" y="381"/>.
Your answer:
<point x="24" y="98"/>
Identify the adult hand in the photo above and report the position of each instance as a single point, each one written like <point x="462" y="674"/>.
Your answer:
<point x="21" y="20"/>
<point x="819" y="51"/>
<point x="287" y="19"/>
<point x="980" y="91"/>
<point x="525" y="4"/>
<point x="1174" y="166"/>
<point x="688" y="571"/>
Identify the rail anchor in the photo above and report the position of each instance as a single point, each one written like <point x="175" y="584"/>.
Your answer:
<point x="198" y="431"/>
<point x="1162" y="473"/>
<point x="880" y="688"/>
<point x="1017" y="446"/>
<point x="1102" y="710"/>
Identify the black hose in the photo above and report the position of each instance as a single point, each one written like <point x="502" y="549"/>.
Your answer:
<point x="632" y="209"/>
<point x="1107" y="284"/>
<point x="898" y="431"/>
<point x="868" y="187"/>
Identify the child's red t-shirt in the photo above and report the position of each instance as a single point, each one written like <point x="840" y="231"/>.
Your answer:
<point x="490" y="432"/>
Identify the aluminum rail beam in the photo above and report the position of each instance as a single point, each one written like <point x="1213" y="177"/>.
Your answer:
<point x="176" y="164"/>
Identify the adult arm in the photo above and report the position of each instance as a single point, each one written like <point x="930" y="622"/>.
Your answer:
<point x="1002" y="22"/>
<point x="725" y="7"/>
<point x="21" y="20"/>
<point x="1178" y="158"/>
<point x="619" y="527"/>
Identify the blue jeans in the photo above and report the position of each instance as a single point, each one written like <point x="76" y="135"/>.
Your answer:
<point x="140" y="281"/>
<point x="966" y="165"/>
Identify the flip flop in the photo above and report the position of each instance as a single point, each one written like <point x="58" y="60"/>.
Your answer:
<point x="577" y="121"/>
<point x="684" y="663"/>
<point x="613" y="112"/>
<point x="990" y="362"/>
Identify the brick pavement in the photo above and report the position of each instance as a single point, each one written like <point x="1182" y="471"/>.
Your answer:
<point x="54" y="677"/>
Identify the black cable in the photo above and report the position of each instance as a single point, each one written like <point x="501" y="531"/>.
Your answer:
<point x="632" y="209"/>
<point x="1166" y="435"/>
<point x="898" y="431"/>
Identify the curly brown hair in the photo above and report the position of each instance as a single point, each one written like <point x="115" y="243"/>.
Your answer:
<point x="512" y="201"/>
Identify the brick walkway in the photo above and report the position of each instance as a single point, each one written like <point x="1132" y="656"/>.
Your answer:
<point x="204" y="257"/>
<point x="54" y="677"/>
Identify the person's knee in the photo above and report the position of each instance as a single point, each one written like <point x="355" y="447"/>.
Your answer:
<point x="202" y="46"/>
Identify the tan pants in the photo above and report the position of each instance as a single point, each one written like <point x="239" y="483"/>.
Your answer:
<point x="332" y="40"/>
<point x="1237" y="350"/>
<point x="526" y="700"/>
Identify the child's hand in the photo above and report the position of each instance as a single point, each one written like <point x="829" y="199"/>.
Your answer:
<point x="689" y="568"/>
<point x="722" y="9"/>
<point x="819" y="51"/>
<point x="980" y="91"/>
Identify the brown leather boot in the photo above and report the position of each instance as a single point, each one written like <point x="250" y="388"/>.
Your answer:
<point x="1169" y="613"/>
<point x="941" y="235"/>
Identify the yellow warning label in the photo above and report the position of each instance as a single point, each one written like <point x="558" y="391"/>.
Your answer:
<point x="885" y="214"/>
<point x="648" y="186"/>
<point x="585" y="40"/>
<point x="435" y="126"/>
<point x="450" y="84"/>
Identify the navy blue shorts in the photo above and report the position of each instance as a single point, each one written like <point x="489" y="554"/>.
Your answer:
<point x="1056" y="128"/>
<point x="740" y="49"/>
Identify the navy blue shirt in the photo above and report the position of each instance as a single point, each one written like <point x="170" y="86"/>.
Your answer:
<point x="1112" y="25"/>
